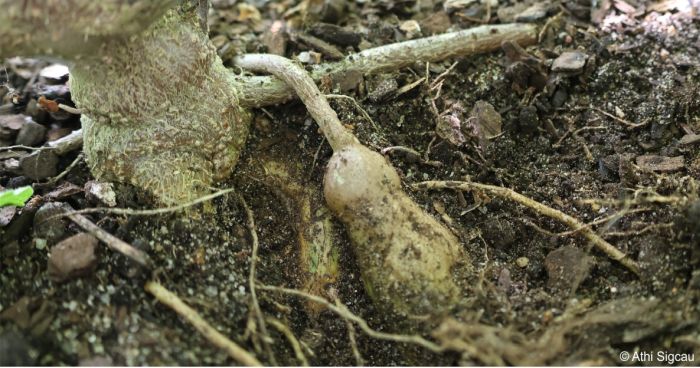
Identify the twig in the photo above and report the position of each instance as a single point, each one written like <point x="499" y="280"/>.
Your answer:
<point x="343" y="312"/>
<point x="112" y="241"/>
<point x="573" y="223"/>
<point x="70" y="109"/>
<point x="251" y="281"/>
<point x="61" y="146"/>
<point x="293" y="341"/>
<point x="71" y="142"/>
<point x="200" y="324"/>
<point x="630" y="125"/>
<point x="260" y="91"/>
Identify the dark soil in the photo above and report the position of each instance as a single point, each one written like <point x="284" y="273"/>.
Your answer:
<point x="570" y="139"/>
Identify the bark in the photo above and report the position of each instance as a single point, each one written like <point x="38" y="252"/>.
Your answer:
<point x="72" y="29"/>
<point x="160" y="111"/>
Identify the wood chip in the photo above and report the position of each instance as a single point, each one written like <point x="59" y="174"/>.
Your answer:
<point x="660" y="163"/>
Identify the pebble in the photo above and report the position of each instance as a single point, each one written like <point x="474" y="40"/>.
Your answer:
<point x="54" y="73"/>
<point x="309" y="57"/>
<point x="72" y="257"/>
<point x="10" y="125"/>
<point x="559" y="98"/>
<point x="566" y="268"/>
<point x="533" y="13"/>
<point x="46" y="227"/>
<point x="487" y="118"/>
<point x="101" y="192"/>
<point x="383" y="89"/>
<point x="39" y="165"/>
<point x="570" y="62"/>
<point x="6" y="215"/>
<point x="31" y="134"/>
<point x="411" y="28"/>
<point x="522" y="262"/>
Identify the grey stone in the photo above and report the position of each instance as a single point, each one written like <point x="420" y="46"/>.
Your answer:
<point x="39" y="165"/>
<point x="570" y="62"/>
<point x="31" y="134"/>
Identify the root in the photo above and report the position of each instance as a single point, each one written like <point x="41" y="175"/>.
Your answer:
<point x="255" y="306"/>
<point x="573" y="223"/>
<point x="293" y="341"/>
<point x="155" y="211"/>
<point x="262" y="91"/>
<point x="342" y="311"/>
<point x="168" y="298"/>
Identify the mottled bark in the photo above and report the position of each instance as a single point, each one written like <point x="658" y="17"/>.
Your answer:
<point x="160" y="111"/>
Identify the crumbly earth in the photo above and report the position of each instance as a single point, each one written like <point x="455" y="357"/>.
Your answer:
<point x="576" y="137"/>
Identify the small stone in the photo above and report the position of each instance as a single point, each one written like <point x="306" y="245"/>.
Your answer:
<point x="488" y="120"/>
<point x="559" y="98"/>
<point x="522" y="262"/>
<point x="436" y="23"/>
<point x="570" y="62"/>
<point x="567" y="267"/>
<point x="454" y="5"/>
<point x="31" y="134"/>
<point x="10" y="125"/>
<point x="101" y="192"/>
<point x="54" y="73"/>
<point x="533" y="13"/>
<point x="6" y="215"/>
<point x="382" y="89"/>
<point x="39" y="165"/>
<point x="72" y="257"/>
<point x="411" y="28"/>
<point x="309" y="57"/>
<point x="12" y="165"/>
<point x="46" y="225"/>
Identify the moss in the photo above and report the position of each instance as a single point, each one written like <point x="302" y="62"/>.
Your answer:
<point x="161" y="111"/>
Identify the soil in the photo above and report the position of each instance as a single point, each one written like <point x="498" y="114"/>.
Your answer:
<point x="577" y="140"/>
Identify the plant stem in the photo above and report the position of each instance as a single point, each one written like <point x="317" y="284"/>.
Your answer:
<point x="262" y="91"/>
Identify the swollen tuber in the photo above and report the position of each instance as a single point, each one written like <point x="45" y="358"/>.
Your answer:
<point x="405" y="256"/>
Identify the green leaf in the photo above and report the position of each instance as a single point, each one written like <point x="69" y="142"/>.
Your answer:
<point x="15" y="197"/>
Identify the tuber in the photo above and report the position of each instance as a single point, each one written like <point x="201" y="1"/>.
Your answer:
<point x="405" y="256"/>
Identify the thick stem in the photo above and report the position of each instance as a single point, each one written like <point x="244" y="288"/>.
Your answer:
<point x="160" y="111"/>
<point x="261" y="91"/>
<point x="72" y="29"/>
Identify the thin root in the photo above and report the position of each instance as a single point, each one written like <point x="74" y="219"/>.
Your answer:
<point x="344" y="313"/>
<point x="200" y="324"/>
<point x="573" y="223"/>
<point x="255" y="306"/>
